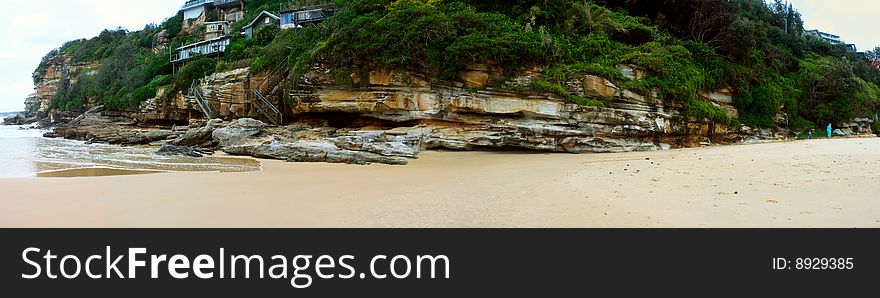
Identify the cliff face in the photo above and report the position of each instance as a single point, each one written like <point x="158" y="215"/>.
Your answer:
<point x="388" y="116"/>
<point x="57" y="69"/>
<point x="454" y="117"/>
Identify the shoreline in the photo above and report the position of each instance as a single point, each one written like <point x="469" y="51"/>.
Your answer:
<point x="818" y="183"/>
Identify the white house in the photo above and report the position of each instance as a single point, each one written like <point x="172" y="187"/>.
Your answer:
<point x="231" y="10"/>
<point x="192" y="9"/>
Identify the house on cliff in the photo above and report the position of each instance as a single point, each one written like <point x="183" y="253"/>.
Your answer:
<point x="298" y="16"/>
<point x="216" y="35"/>
<point x="264" y="19"/>
<point x="216" y="29"/>
<point x="831" y="38"/>
<point x="227" y="10"/>
<point x="292" y="16"/>
<point x="210" y="48"/>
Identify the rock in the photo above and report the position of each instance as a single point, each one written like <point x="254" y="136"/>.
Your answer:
<point x="474" y="78"/>
<point x="477" y="75"/>
<point x="377" y="143"/>
<point x="237" y="132"/>
<point x="721" y="95"/>
<point x="197" y="136"/>
<point x="858" y="126"/>
<point x="632" y="72"/>
<point x="157" y="135"/>
<point x="311" y="151"/>
<point x="20" y="120"/>
<point x="599" y="87"/>
<point x="171" y="150"/>
<point x="842" y="132"/>
<point x="94" y="110"/>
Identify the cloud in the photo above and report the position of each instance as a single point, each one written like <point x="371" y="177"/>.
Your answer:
<point x="854" y="20"/>
<point x="33" y="28"/>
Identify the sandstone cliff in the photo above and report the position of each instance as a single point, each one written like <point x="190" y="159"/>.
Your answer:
<point x="56" y="70"/>
<point x="389" y="116"/>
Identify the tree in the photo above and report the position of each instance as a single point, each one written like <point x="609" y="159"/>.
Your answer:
<point x="830" y="90"/>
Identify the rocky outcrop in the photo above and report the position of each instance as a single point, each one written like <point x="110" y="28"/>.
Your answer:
<point x="172" y="150"/>
<point x="199" y="136"/>
<point x="239" y="132"/>
<point x="857" y="126"/>
<point x="298" y="143"/>
<point x="309" y="151"/>
<point x="227" y="91"/>
<point x="55" y="71"/>
<point x="20" y="119"/>
<point x="390" y="116"/>
<point x="100" y="126"/>
<point x="455" y="117"/>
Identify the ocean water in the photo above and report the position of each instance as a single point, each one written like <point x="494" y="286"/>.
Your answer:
<point x="25" y="153"/>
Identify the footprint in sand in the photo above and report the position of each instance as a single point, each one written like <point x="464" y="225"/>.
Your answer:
<point x="773" y="201"/>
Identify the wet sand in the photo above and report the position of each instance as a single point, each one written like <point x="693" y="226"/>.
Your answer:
<point x="819" y="183"/>
<point x="93" y="172"/>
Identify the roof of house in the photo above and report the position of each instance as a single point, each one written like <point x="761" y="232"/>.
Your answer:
<point x="264" y="13"/>
<point x="297" y="8"/>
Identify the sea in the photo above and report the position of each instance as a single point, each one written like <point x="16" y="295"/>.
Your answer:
<point x="25" y="153"/>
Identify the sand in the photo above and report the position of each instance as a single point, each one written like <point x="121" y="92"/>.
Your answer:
<point x="819" y="183"/>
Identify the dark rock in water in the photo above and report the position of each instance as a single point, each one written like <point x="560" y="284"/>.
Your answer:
<point x="171" y="150"/>
<point x="20" y="120"/>
<point x="51" y="135"/>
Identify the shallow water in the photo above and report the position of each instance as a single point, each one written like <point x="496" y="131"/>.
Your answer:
<point x="25" y="153"/>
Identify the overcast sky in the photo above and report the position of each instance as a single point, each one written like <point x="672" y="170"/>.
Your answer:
<point x="33" y="28"/>
<point x="856" y="21"/>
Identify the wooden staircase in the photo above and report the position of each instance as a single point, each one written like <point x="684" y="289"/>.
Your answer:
<point x="196" y="94"/>
<point x="266" y="108"/>
<point x="262" y="102"/>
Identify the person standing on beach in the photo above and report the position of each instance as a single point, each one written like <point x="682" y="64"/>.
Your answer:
<point x="829" y="130"/>
<point x="810" y="134"/>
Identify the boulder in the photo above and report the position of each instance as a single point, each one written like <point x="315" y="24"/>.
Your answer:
<point x="197" y="136"/>
<point x="376" y="143"/>
<point x="172" y="150"/>
<point x="157" y="135"/>
<point x="475" y="76"/>
<point x="238" y="132"/>
<point x="843" y="132"/>
<point x="599" y="87"/>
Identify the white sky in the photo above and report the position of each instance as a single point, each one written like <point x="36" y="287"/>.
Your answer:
<point x="33" y="28"/>
<point x="855" y="21"/>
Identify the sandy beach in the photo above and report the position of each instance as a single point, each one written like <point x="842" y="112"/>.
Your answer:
<point x="819" y="183"/>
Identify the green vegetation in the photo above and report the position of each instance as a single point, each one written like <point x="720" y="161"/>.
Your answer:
<point x="758" y="50"/>
<point x="877" y="124"/>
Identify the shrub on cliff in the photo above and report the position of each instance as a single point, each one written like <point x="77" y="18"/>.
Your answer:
<point x="192" y="71"/>
<point x="435" y="37"/>
<point x="756" y="49"/>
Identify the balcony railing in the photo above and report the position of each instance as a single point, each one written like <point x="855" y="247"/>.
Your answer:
<point x="205" y="48"/>
<point x="223" y="3"/>
<point x="194" y="3"/>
